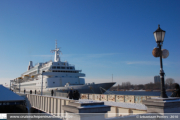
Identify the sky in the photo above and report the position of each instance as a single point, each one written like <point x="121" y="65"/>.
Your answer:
<point x="109" y="40"/>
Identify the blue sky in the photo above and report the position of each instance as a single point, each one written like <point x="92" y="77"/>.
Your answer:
<point x="101" y="37"/>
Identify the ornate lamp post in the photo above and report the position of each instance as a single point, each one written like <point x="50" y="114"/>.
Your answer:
<point x="159" y="37"/>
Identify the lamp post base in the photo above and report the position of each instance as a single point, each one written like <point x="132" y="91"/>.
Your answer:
<point x="163" y="95"/>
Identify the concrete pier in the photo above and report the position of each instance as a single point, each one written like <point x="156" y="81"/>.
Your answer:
<point x="84" y="111"/>
<point x="162" y="105"/>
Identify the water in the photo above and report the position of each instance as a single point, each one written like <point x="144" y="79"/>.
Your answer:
<point x="144" y="93"/>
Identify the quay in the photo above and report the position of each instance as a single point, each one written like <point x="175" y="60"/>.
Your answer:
<point x="120" y="106"/>
<point x="106" y="107"/>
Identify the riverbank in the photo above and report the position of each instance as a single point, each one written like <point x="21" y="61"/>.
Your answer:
<point x="146" y="93"/>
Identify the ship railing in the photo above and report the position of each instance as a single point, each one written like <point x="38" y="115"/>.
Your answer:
<point x="90" y="83"/>
<point x="57" y="93"/>
<point x="36" y="65"/>
<point x="48" y="61"/>
<point x="45" y="64"/>
<point x="34" y="68"/>
<point x="72" y="65"/>
<point x="42" y="66"/>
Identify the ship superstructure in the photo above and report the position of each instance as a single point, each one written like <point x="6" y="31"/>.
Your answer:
<point x="55" y="75"/>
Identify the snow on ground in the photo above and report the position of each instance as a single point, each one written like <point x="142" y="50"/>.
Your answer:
<point x="177" y="100"/>
<point x="92" y="106"/>
<point x="118" y="104"/>
<point x="169" y="98"/>
<point x="87" y="101"/>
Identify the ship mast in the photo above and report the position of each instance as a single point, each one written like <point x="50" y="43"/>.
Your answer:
<point x="57" y="52"/>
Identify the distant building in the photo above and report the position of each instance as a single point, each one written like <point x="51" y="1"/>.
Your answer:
<point x="157" y="79"/>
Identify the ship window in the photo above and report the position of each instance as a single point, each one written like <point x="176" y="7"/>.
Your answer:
<point x="71" y="67"/>
<point x="53" y="82"/>
<point x="53" y="67"/>
<point x="56" y="76"/>
<point x="67" y="67"/>
<point x="58" y="67"/>
<point x="62" y="67"/>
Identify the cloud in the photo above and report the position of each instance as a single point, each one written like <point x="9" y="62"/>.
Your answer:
<point x="142" y="63"/>
<point x="100" y="55"/>
<point x="87" y="55"/>
<point x="78" y="56"/>
<point x="43" y="55"/>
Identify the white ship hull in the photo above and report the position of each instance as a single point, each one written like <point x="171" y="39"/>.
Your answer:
<point x="87" y="88"/>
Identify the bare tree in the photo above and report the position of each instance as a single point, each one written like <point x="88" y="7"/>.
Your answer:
<point x="149" y="86"/>
<point x="118" y="87"/>
<point x="170" y="82"/>
<point x="128" y="85"/>
<point x="123" y="85"/>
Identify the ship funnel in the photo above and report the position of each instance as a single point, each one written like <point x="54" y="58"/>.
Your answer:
<point x="30" y="65"/>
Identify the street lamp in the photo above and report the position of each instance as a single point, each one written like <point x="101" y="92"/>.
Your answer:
<point x="159" y="37"/>
<point x="42" y="84"/>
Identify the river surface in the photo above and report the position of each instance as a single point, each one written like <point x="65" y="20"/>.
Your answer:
<point x="145" y="93"/>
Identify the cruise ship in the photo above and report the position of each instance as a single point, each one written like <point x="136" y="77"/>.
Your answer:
<point x="58" y="76"/>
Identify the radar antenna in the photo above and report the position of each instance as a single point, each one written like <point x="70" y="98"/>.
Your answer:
<point x="56" y="44"/>
<point x="57" y="52"/>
